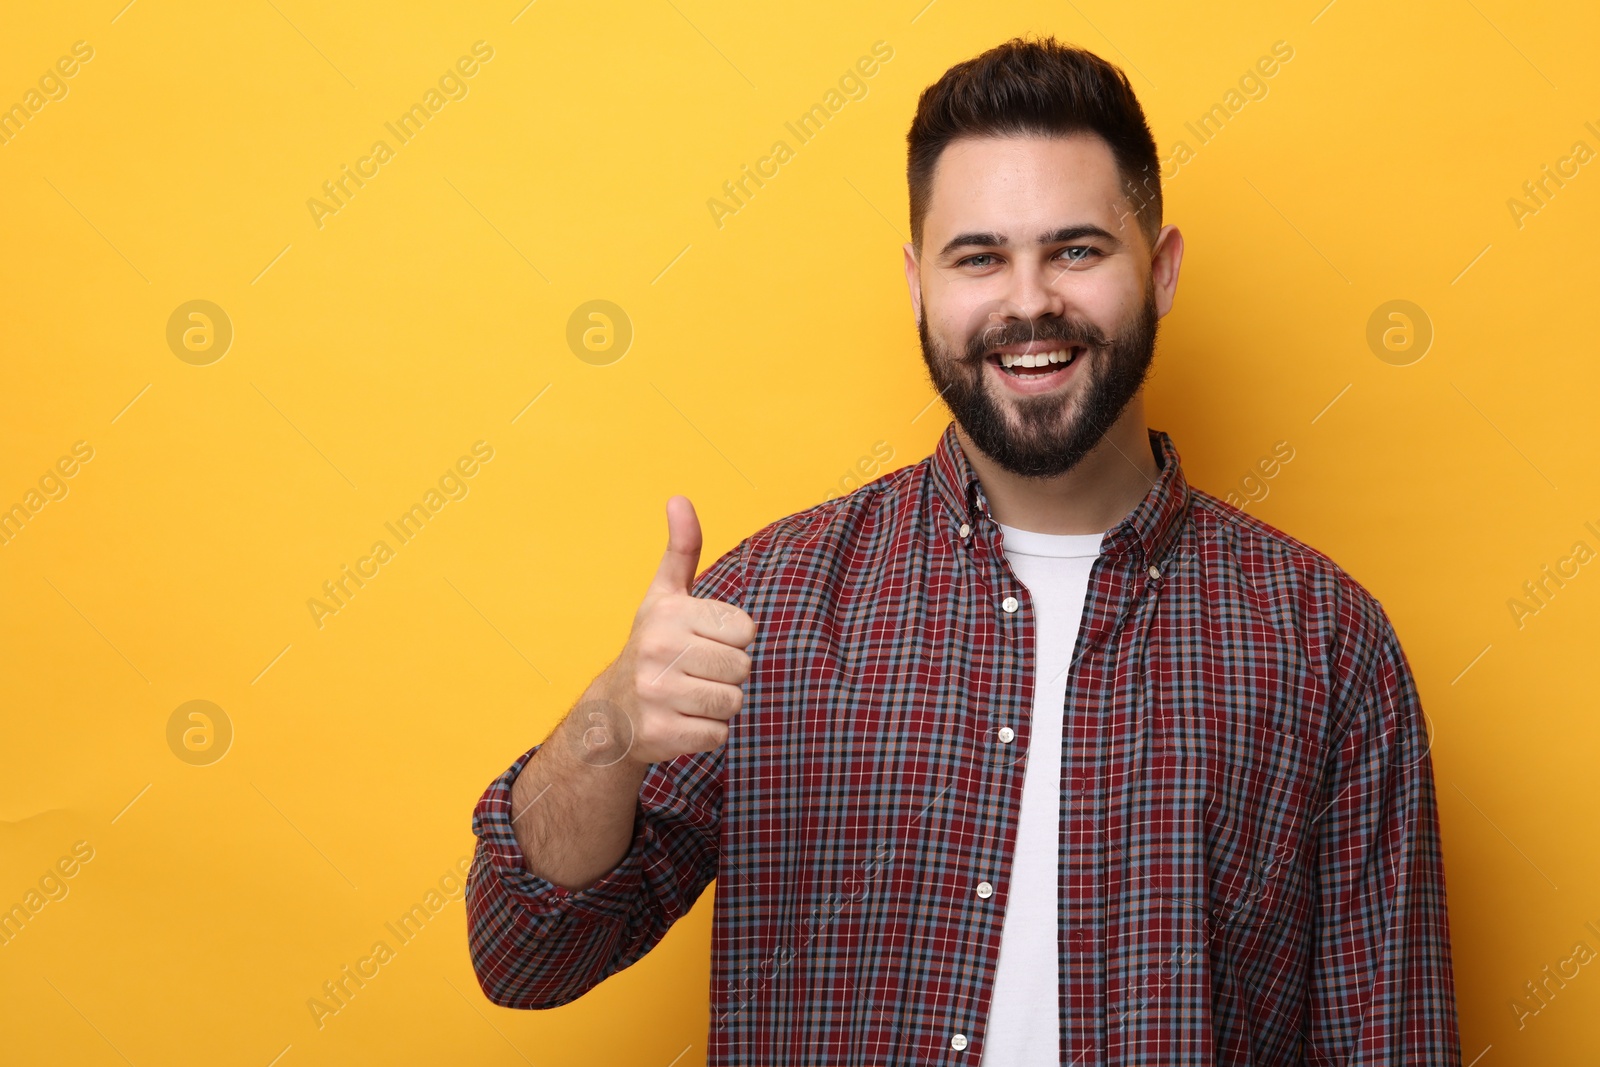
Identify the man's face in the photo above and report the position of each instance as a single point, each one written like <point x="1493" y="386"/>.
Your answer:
<point x="1031" y="246"/>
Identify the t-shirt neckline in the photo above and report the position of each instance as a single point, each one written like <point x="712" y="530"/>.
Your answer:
<point x="1034" y="543"/>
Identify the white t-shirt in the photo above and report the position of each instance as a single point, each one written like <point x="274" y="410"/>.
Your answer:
<point x="1024" y="1028"/>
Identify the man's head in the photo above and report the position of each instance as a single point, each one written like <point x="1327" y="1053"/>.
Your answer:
<point x="1036" y="227"/>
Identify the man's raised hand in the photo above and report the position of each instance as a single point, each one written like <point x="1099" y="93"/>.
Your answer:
<point x="677" y="681"/>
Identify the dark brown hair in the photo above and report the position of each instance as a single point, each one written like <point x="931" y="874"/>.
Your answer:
<point x="1028" y="88"/>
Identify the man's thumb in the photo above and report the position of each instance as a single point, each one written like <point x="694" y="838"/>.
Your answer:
<point x="681" y="560"/>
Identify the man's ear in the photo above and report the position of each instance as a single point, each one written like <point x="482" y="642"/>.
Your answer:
<point x="914" y="281"/>
<point x="1164" y="264"/>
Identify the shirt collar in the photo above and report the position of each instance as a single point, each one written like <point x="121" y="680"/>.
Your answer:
<point x="1148" y="530"/>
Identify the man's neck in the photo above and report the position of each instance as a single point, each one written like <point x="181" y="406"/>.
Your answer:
<point x="1090" y="498"/>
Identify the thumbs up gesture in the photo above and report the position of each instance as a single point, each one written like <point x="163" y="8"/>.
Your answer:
<point x="678" y="677"/>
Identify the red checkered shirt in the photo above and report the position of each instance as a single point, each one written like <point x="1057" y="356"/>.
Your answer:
<point x="1250" y="867"/>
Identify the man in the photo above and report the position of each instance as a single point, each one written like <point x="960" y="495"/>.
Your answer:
<point x="1028" y="753"/>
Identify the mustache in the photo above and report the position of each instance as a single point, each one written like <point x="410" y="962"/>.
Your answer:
<point x="1067" y="331"/>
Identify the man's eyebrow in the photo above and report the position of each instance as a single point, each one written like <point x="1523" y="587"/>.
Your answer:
<point x="998" y="240"/>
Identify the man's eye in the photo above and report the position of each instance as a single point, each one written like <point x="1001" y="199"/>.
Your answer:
<point x="1072" y="254"/>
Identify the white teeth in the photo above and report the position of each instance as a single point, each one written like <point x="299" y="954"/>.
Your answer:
<point x="1038" y="359"/>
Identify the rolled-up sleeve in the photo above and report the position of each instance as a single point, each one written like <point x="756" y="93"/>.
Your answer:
<point x="535" y="944"/>
<point x="1382" y="989"/>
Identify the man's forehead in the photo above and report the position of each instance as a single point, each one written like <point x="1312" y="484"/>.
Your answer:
<point x="986" y="180"/>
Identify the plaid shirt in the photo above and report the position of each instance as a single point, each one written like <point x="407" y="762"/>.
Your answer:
<point x="1250" y="866"/>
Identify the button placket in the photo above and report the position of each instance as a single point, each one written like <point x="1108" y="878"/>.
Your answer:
<point x="988" y="545"/>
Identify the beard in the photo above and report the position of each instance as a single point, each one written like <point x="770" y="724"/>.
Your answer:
<point x="1049" y="434"/>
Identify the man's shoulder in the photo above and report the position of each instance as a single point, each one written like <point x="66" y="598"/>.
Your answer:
<point x="1285" y="576"/>
<point x="1245" y="533"/>
<point x="875" y="508"/>
<point x="811" y="541"/>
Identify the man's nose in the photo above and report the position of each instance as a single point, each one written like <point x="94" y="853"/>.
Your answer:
<point x="1032" y="293"/>
<point x="1036" y="291"/>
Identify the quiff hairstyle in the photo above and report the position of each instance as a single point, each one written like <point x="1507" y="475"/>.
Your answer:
<point x="1035" y="88"/>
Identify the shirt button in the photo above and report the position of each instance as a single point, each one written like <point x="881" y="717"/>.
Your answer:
<point x="958" y="1042"/>
<point x="1006" y="735"/>
<point x="1009" y="604"/>
<point x="965" y="530"/>
<point x="1155" y="572"/>
<point x="985" y="890"/>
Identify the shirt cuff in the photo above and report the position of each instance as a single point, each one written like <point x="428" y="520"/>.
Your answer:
<point x="609" y="899"/>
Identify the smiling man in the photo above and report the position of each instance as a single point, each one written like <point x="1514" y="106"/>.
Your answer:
<point x="1029" y="753"/>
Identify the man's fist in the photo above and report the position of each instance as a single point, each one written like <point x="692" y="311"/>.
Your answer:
<point x="677" y="680"/>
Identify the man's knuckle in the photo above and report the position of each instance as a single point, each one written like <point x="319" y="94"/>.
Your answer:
<point x="644" y="677"/>
<point x="659" y="644"/>
<point x="715" y="735"/>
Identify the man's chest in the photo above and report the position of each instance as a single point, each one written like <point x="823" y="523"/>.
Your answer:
<point x="901" y="710"/>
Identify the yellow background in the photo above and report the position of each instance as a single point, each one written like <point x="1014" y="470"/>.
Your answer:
<point x="770" y="355"/>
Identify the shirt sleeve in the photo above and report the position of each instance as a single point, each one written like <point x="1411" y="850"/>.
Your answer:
<point x="1382" y="988"/>
<point x="535" y="944"/>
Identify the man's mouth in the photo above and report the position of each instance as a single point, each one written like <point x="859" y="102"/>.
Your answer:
<point x="1036" y="364"/>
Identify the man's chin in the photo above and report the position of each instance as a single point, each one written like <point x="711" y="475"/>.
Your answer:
<point x="1051" y="408"/>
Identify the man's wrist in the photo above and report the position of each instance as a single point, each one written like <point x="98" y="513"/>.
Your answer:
<point x="598" y="732"/>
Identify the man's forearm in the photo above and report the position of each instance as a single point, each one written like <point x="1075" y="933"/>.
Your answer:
<point x="573" y="804"/>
